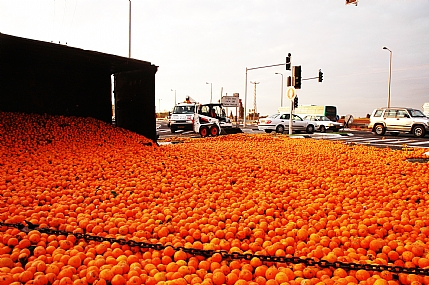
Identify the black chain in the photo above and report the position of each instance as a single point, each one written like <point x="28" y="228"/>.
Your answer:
<point x="226" y="255"/>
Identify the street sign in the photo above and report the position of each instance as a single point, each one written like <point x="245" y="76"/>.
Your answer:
<point x="291" y="93"/>
<point x="230" y="101"/>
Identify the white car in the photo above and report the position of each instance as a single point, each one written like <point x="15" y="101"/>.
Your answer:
<point x="280" y="122"/>
<point x="324" y="123"/>
<point x="399" y="120"/>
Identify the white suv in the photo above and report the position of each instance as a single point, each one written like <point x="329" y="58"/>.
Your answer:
<point x="399" y="120"/>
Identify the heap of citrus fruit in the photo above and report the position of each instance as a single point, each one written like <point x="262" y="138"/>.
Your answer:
<point x="258" y="194"/>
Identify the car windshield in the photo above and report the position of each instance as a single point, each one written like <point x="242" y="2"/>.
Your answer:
<point x="416" y="113"/>
<point x="273" y="116"/>
<point x="183" y="109"/>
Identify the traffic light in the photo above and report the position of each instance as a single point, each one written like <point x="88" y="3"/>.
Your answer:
<point x="295" y="102"/>
<point x="289" y="81"/>
<point x="297" y="76"/>
<point x="320" y="75"/>
<point x="288" y="61"/>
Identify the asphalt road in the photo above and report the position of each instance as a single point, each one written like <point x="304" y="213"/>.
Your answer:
<point x="348" y="136"/>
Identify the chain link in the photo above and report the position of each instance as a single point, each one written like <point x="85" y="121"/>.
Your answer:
<point x="225" y="255"/>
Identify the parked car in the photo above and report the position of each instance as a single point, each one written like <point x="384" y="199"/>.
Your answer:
<point x="280" y="122"/>
<point x="324" y="123"/>
<point x="399" y="120"/>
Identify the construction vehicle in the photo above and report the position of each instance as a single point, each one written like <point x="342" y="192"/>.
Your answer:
<point x="203" y="119"/>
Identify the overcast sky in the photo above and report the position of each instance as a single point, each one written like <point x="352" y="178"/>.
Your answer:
<point x="199" y="41"/>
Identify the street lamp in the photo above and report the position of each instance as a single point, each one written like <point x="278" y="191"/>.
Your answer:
<point x="174" y="96"/>
<point x="129" y="30"/>
<point x="211" y="91"/>
<point x="390" y="77"/>
<point x="281" y="92"/>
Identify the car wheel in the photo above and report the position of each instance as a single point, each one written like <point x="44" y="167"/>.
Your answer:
<point x="379" y="129"/>
<point x="204" y="131"/>
<point x="322" y="129"/>
<point x="280" y="129"/>
<point x="310" y="129"/>
<point x="214" y="131"/>
<point x="419" y="131"/>
<point x="173" y="131"/>
<point x="268" y="131"/>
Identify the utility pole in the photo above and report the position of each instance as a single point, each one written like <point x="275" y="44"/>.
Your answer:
<point x="129" y="33"/>
<point x="211" y="91"/>
<point x="254" y="98"/>
<point x="174" y="96"/>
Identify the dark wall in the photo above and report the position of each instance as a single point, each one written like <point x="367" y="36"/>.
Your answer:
<point x="41" y="77"/>
<point x="37" y="85"/>
<point x="135" y="101"/>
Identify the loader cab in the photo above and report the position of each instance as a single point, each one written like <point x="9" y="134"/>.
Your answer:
<point x="214" y="110"/>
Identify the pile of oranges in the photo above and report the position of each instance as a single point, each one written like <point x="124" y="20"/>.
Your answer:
<point x="258" y="194"/>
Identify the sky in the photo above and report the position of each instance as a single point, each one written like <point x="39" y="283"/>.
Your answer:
<point x="203" y="47"/>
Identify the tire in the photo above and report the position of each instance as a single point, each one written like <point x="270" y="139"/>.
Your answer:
<point x="379" y="129"/>
<point x="419" y="131"/>
<point x="214" y="131"/>
<point x="322" y="129"/>
<point x="204" y="131"/>
<point x="280" y="129"/>
<point x="309" y="129"/>
<point x="173" y="131"/>
<point x="268" y="131"/>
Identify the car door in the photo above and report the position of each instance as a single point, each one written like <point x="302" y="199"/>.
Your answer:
<point x="403" y="121"/>
<point x="284" y="120"/>
<point x="389" y="118"/>
<point x="298" y="124"/>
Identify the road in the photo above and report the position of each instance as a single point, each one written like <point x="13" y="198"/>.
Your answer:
<point x="349" y="136"/>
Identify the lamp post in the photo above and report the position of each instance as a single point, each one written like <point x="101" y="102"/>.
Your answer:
<point x="281" y="92"/>
<point x="129" y="31"/>
<point x="390" y="77"/>
<point x="174" y="96"/>
<point x="211" y="91"/>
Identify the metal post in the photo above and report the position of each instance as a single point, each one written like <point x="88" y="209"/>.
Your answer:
<point x="174" y="96"/>
<point x="245" y="101"/>
<point x="291" y="102"/>
<point x="254" y="99"/>
<point x="389" y="78"/>
<point x="245" y="87"/>
<point x="281" y="90"/>
<point x="129" y="33"/>
<point x="290" y="118"/>
<point x="211" y="91"/>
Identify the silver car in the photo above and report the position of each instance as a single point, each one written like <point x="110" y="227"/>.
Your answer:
<point x="324" y="123"/>
<point x="399" y="120"/>
<point x="280" y="122"/>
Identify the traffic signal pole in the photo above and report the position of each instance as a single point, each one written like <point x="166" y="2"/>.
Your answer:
<point x="245" y="89"/>
<point x="291" y="105"/>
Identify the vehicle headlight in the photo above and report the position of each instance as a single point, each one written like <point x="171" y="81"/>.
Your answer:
<point x="172" y="122"/>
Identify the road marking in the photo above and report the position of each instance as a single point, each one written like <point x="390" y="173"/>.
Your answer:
<point x="418" y="143"/>
<point x="351" y="138"/>
<point x="388" y="140"/>
<point x="403" y="141"/>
